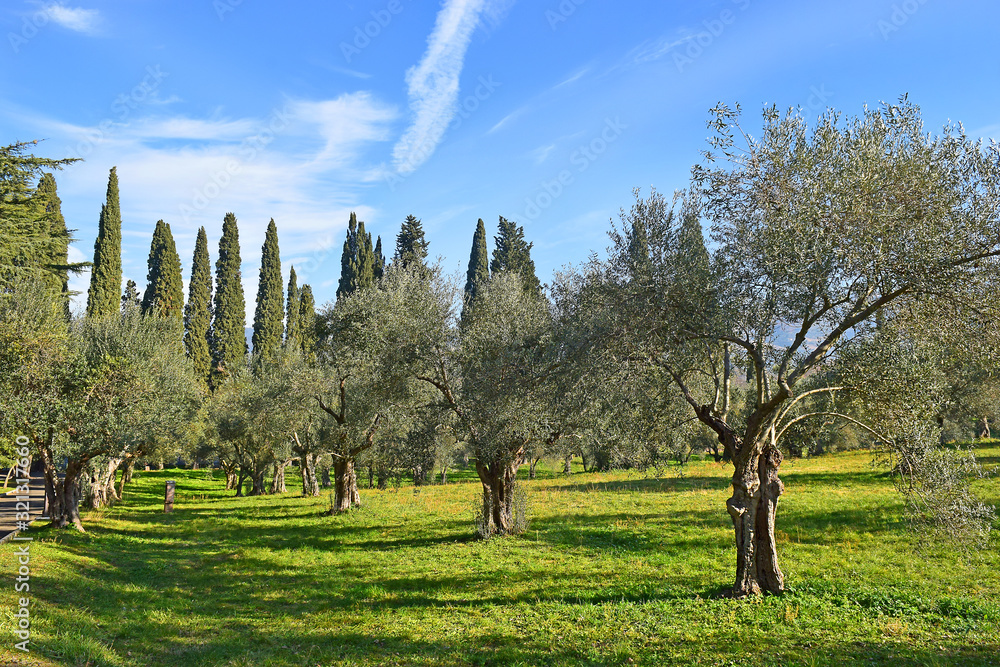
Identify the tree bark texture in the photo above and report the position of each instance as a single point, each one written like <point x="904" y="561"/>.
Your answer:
<point x="345" y="483"/>
<point x="753" y="506"/>
<point x="498" y="480"/>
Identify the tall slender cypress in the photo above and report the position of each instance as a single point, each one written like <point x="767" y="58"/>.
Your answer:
<point x="198" y="311"/>
<point x="307" y="321"/>
<point x="229" y="342"/>
<point x="269" y="316"/>
<point x="513" y="253"/>
<point x="348" y="260"/>
<point x="164" y="295"/>
<point x="479" y="263"/>
<point x="365" y="274"/>
<point x="292" y="315"/>
<point x="106" y="276"/>
<point x="379" y="260"/>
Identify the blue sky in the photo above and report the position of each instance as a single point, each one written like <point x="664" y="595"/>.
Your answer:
<point x="545" y="112"/>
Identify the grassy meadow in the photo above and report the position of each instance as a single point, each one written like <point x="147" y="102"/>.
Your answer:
<point x="615" y="569"/>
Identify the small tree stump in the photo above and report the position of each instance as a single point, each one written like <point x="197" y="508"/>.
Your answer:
<point x="168" y="499"/>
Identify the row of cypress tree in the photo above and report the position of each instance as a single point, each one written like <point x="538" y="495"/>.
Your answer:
<point x="215" y="335"/>
<point x="214" y="328"/>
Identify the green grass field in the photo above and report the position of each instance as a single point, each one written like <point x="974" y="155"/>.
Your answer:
<point x="615" y="569"/>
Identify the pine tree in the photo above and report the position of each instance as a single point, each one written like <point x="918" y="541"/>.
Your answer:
<point x="307" y="321"/>
<point x="33" y="237"/>
<point x="513" y="253"/>
<point x="411" y="245"/>
<point x="164" y="295"/>
<point x="198" y="311"/>
<point x="479" y="267"/>
<point x="56" y="255"/>
<point x="292" y="316"/>
<point x="130" y="298"/>
<point x="348" y="260"/>
<point x="106" y="276"/>
<point x="270" y="314"/>
<point x="379" y="260"/>
<point x="228" y="341"/>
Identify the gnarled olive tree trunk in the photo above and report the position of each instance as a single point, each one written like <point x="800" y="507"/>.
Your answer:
<point x="345" y="485"/>
<point x="63" y="493"/>
<point x="498" y="479"/>
<point x="278" y="481"/>
<point x="753" y="506"/>
<point x="310" y="485"/>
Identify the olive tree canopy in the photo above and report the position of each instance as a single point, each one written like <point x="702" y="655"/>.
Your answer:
<point x="817" y="233"/>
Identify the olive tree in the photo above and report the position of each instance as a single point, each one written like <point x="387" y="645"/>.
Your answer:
<point x="815" y="233"/>
<point x="492" y="374"/>
<point x="91" y="393"/>
<point x="256" y="416"/>
<point x="370" y="342"/>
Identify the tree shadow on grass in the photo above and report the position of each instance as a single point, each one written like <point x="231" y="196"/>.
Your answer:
<point x="644" y="485"/>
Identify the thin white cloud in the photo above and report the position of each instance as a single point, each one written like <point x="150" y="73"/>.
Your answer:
<point x="303" y="165"/>
<point x="508" y="118"/>
<point x="654" y="49"/>
<point x="573" y="78"/>
<point x="433" y="83"/>
<point x="76" y="19"/>
<point x="541" y="154"/>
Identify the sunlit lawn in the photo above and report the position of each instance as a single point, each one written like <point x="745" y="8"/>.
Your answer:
<point x="614" y="569"/>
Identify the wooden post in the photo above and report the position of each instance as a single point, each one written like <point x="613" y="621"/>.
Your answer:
<point x="168" y="500"/>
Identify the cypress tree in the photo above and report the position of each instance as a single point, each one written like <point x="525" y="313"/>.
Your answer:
<point x="307" y="321"/>
<point x="164" y="295"/>
<point x="198" y="311"/>
<point x="270" y="313"/>
<point x="694" y="268"/>
<point x="348" y="260"/>
<point x="379" y="260"/>
<point x="365" y="274"/>
<point x="228" y="341"/>
<point x="106" y="276"/>
<point x="513" y="253"/>
<point x="292" y="316"/>
<point x="479" y="267"/>
<point x="411" y="245"/>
